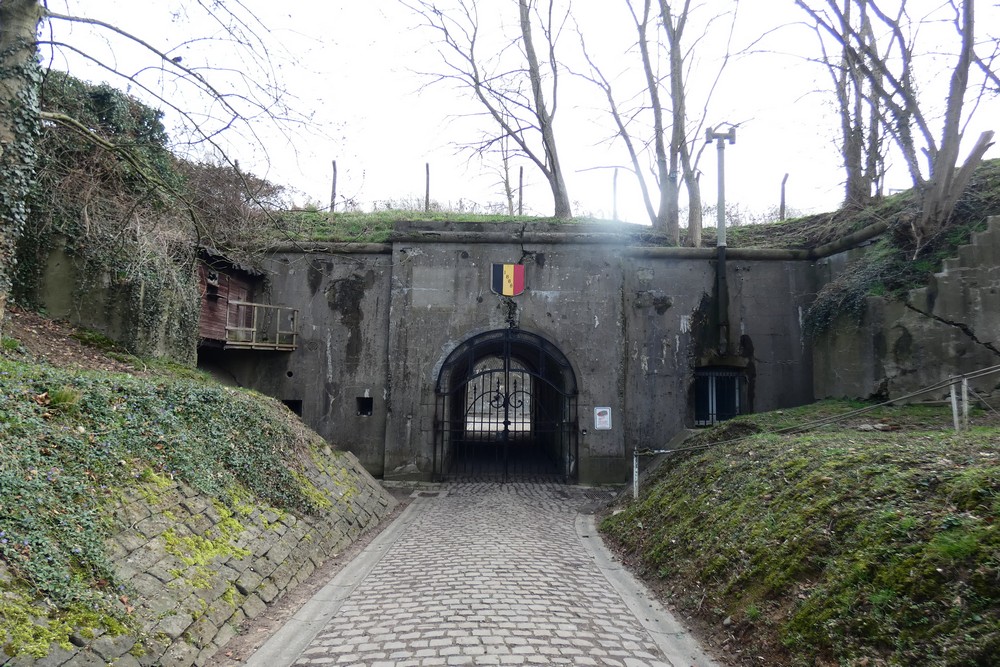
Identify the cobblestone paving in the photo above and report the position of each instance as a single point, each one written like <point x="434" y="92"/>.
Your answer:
<point x="489" y="574"/>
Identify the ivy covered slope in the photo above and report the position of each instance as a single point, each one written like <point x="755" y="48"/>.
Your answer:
<point x="74" y="443"/>
<point x="132" y="216"/>
<point x="872" y="542"/>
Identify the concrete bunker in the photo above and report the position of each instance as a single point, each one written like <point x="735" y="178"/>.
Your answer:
<point x="506" y="408"/>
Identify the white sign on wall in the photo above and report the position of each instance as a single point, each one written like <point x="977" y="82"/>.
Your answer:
<point x="602" y="419"/>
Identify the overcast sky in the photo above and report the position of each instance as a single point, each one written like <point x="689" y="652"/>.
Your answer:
<point x="352" y="69"/>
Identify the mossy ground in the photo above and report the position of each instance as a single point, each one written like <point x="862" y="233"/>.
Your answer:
<point x="870" y="542"/>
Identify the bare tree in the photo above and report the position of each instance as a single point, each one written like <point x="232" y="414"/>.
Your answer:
<point x="861" y="112"/>
<point x="674" y="140"/>
<point x="517" y="88"/>
<point x="931" y="158"/>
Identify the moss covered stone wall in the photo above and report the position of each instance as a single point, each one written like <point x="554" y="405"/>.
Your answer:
<point x="197" y="569"/>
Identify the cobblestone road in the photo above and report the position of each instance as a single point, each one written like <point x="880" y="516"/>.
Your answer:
<point x="492" y="575"/>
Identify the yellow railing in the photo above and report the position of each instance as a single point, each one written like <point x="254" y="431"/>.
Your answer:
<point x="259" y="326"/>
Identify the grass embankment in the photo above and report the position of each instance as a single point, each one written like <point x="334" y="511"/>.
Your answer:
<point x="377" y="227"/>
<point x="70" y="441"/>
<point x="852" y="545"/>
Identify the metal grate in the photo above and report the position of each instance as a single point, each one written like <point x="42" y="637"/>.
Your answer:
<point x="506" y="409"/>
<point x="718" y="395"/>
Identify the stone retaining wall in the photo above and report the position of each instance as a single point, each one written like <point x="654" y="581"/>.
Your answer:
<point x="195" y="570"/>
<point x="950" y="327"/>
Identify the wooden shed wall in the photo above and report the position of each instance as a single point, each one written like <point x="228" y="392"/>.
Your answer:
<point x="215" y="301"/>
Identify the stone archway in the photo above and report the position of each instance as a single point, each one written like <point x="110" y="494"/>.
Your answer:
<point x="506" y="409"/>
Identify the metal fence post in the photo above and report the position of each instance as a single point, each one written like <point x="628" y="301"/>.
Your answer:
<point x="635" y="473"/>
<point x="965" y="403"/>
<point x="954" y="408"/>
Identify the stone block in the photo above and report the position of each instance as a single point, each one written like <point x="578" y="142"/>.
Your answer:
<point x="267" y="591"/>
<point x="221" y="611"/>
<point x="282" y="575"/>
<point x="131" y="513"/>
<point x="279" y="552"/>
<point x="110" y="648"/>
<point x="154" y="650"/>
<point x="248" y="582"/>
<point x="305" y="570"/>
<point x="238" y="618"/>
<point x="154" y="526"/>
<point x="56" y="656"/>
<point x="180" y="654"/>
<point x="195" y="504"/>
<point x="253" y="606"/>
<point x="198" y="524"/>
<point x="130" y="540"/>
<point x="226" y="632"/>
<point x="205" y="655"/>
<point x="167" y="569"/>
<point x="201" y="632"/>
<point x="174" y="625"/>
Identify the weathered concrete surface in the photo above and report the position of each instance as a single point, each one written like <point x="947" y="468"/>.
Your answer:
<point x="486" y="574"/>
<point x="633" y="327"/>
<point x="148" y="320"/>
<point x="948" y="328"/>
<point x="377" y="321"/>
<point x="343" y="303"/>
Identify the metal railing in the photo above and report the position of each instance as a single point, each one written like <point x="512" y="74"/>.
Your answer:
<point x="260" y="326"/>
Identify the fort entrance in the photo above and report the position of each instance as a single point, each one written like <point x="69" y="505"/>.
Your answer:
<point x="506" y="409"/>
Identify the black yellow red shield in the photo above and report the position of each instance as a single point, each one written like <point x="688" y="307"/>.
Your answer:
<point x="507" y="279"/>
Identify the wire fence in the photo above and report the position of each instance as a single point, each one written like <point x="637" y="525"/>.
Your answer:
<point x="960" y="396"/>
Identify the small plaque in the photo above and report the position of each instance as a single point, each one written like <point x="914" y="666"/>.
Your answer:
<point x="602" y="419"/>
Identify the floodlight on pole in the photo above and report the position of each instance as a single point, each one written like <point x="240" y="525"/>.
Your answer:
<point x="720" y="139"/>
<point x="722" y="286"/>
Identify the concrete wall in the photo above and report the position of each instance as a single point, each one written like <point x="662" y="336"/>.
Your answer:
<point x="343" y="302"/>
<point x="633" y="326"/>
<point x="441" y="295"/>
<point x="148" y="320"/>
<point x="949" y="327"/>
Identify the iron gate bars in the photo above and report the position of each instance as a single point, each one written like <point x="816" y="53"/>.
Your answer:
<point x="506" y="407"/>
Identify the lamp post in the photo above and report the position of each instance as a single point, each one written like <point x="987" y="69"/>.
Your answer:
<point x="720" y="139"/>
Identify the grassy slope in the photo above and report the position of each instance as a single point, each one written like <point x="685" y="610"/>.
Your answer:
<point x="857" y="547"/>
<point x="70" y="440"/>
<point x="981" y="199"/>
<point x="306" y="225"/>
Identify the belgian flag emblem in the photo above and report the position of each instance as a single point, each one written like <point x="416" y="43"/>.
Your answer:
<point x="508" y="279"/>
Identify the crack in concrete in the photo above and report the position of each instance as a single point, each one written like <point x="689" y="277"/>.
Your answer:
<point x="520" y="237"/>
<point x="961" y="326"/>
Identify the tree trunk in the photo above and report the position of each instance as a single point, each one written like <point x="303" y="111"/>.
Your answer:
<point x="668" y="190"/>
<point x="694" y="210"/>
<point x="679" y="151"/>
<point x="19" y="127"/>
<point x="557" y="183"/>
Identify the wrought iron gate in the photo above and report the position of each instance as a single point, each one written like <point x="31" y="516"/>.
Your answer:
<point x="506" y="408"/>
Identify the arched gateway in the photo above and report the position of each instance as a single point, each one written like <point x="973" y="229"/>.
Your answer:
<point x="506" y="409"/>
